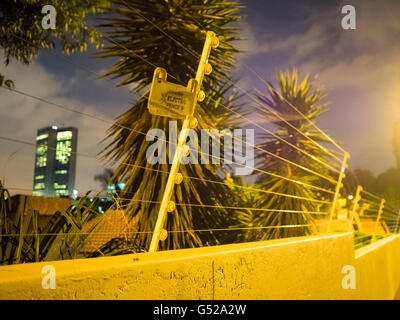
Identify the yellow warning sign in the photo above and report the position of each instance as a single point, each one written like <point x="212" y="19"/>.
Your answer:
<point x="169" y="99"/>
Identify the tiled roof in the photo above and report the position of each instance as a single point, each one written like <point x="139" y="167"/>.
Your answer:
<point x="44" y="205"/>
<point x="112" y="224"/>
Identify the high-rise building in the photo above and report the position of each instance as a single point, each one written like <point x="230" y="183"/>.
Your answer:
<point x="55" y="161"/>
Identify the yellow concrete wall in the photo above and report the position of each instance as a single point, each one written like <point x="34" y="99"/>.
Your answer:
<point x="297" y="268"/>
<point x="378" y="269"/>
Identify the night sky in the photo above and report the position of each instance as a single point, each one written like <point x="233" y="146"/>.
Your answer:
<point x="359" y="70"/>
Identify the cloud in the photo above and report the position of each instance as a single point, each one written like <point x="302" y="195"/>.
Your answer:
<point x="22" y="116"/>
<point x="359" y="69"/>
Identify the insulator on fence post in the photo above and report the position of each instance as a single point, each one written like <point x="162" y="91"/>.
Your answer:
<point x="163" y="234"/>
<point x="171" y="206"/>
<point x="207" y="69"/>
<point x="215" y="43"/>
<point x="178" y="178"/>
<point x="193" y="122"/>
<point x="201" y="96"/>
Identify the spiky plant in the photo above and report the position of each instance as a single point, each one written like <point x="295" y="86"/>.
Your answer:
<point x="134" y="28"/>
<point x="23" y="241"/>
<point x="64" y="236"/>
<point x="5" y="209"/>
<point x="307" y="100"/>
<point x="115" y="247"/>
<point x="249" y="198"/>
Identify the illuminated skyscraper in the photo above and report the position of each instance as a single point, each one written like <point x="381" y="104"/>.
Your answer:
<point x="55" y="162"/>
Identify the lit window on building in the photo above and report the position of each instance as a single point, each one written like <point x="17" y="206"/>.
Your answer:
<point x="39" y="186"/>
<point x="61" y="171"/>
<point x="42" y="136"/>
<point x="62" y="192"/>
<point x="39" y="177"/>
<point x="59" y="186"/>
<point x="64" y="135"/>
<point x="63" y="151"/>
<point x="41" y="155"/>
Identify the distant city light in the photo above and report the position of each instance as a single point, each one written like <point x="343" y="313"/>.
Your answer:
<point x="54" y="127"/>
<point x="350" y="197"/>
<point x="121" y="185"/>
<point x="112" y="187"/>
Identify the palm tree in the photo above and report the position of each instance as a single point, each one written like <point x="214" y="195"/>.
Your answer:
<point x="308" y="101"/>
<point x="144" y="34"/>
<point x="249" y="198"/>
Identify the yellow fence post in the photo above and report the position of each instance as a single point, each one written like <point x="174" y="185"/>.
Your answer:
<point x="378" y="219"/>
<point x="396" y="230"/>
<point x="337" y="190"/>
<point x="174" y="177"/>
<point x="354" y="211"/>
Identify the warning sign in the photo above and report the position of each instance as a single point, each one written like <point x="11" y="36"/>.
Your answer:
<point x="169" y="99"/>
